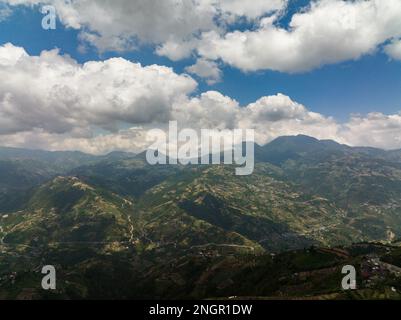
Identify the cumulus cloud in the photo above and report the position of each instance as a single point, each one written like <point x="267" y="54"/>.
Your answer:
<point x="250" y="9"/>
<point x="279" y="115"/>
<point x="394" y="49"/>
<point x="312" y="39"/>
<point x="209" y="70"/>
<point x="119" y="25"/>
<point x="55" y="93"/>
<point x="375" y="130"/>
<point x="10" y="55"/>
<point x="181" y="28"/>
<point x="169" y="24"/>
<point x="133" y="140"/>
<point x="209" y="110"/>
<point x="275" y="108"/>
<point x="52" y="102"/>
<point x="177" y="49"/>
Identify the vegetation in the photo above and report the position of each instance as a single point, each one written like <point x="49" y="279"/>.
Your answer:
<point x="116" y="227"/>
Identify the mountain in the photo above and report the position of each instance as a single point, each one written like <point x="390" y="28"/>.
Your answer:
<point x="18" y="178"/>
<point x="60" y="161"/>
<point x="117" y="227"/>
<point x="56" y="160"/>
<point x="67" y="210"/>
<point x="298" y="147"/>
<point x="303" y="191"/>
<point x="105" y="246"/>
<point x="318" y="191"/>
<point x="23" y="170"/>
<point x="304" y="147"/>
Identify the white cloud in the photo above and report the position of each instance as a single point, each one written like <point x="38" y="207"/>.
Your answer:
<point x="326" y="32"/>
<point x="177" y="49"/>
<point x="209" y="110"/>
<point x="374" y="130"/>
<point x="394" y="49"/>
<point x="250" y="8"/>
<point x="52" y="102"/>
<point x="120" y="25"/>
<point x="330" y="31"/>
<point x="133" y="140"/>
<point x="275" y="108"/>
<point x="278" y="115"/>
<point x="10" y="55"/>
<point x="55" y="93"/>
<point x="169" y="24"/>
<point x="5" y="12"/>
<point x="209" y="70"/>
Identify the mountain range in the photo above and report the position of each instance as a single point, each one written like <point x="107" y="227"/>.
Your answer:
<point x="116" y="227"/>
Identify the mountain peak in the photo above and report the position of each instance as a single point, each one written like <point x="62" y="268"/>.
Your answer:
<point x="300" y="138"/>
<point x="294" y="147"/>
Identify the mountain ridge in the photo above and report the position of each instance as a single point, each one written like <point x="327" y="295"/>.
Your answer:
<point x="300" y="138"/>
<point x="175" y="231"/>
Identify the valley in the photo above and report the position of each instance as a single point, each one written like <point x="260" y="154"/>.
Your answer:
<point x="114" y="226"/>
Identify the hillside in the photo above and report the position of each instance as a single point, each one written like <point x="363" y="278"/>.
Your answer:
<point x="199" y="231"/>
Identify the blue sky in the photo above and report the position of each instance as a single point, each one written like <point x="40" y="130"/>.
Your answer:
<point x="327" y="68"/>
<point x="368" y="84"/>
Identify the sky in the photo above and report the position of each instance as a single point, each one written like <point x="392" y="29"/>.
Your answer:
<point x="111" y="70"/>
